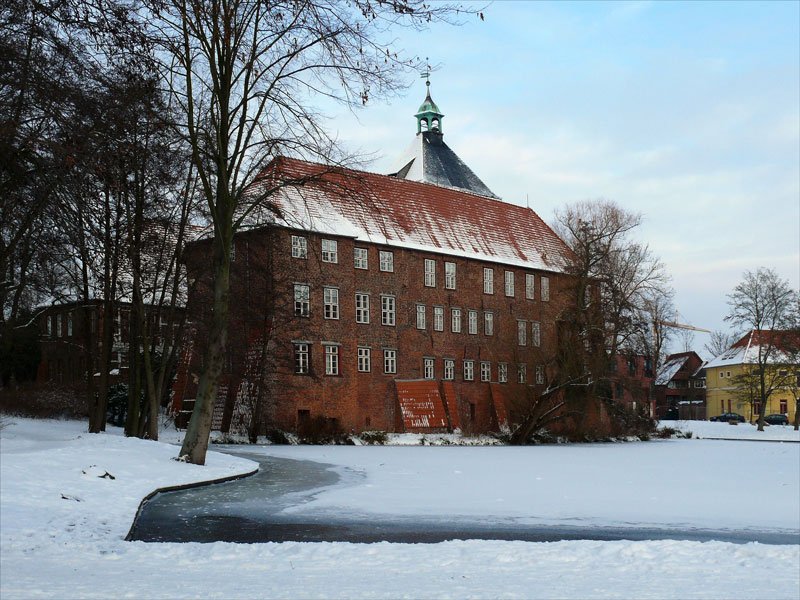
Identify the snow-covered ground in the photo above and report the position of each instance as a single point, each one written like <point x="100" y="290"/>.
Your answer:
<point x="62" y="523"/>
<point x="742" y="431"/>
<point x="662" y="483"/>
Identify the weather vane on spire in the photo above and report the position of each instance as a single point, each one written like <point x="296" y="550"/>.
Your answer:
<point x="426" y="74"/>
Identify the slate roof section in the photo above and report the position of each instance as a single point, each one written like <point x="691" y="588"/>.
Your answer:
<point x="408" y="214"/>
<point x="430" y="160"/>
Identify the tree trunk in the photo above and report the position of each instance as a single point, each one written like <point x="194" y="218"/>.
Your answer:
<point x="195" y="444"/>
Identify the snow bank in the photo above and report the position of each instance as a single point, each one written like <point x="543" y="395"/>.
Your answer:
<point x="462" y="569"/>
<point x="711" y="430"/>
<point x="68" y="484"/>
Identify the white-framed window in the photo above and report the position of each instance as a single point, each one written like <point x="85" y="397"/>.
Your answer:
<point x="486" y="370"/>
<point x="438" y="318"/>
<point x="509" y="283"/>
<point x="536" y="333"/>
<point x="59" y="330"/>
<point x="427" y="368"/>
<point x="472" y="322"/>
<point x="362" y="307"/>
<point x="421" y="316"/>
<point x="469" y="370"/>
<point x="530" y="286"/>
<point x="449" y="369"/>
<point x="299" y="247"/>
<point x="360" y="258"/>
<point x="388" y="310"/>
<point x="488" y="280"/>
<point x="364" y="360"/>
<point x="49" y="323"/>
<point x="544" y="288"/>
<point x="522" y="328"/>
<point x="69" y="324"/>
<point x="450" y="275"/>
<point x="330" y="251"/>
<point x="302" y="353"/>
<point x="455" y="320"/>
<point x="331" y="360"/>
<point x="540" y="374"/>
<point x="488" y="323"/>
<point x="521" y="374"/>
<point x="390" y="361"/>
<point x="430" y="272"/>
<point x="330" y="297"/>
<point x="302" y="299"/>
<point x="386" y="260"/>
<point x="502" y="372"/>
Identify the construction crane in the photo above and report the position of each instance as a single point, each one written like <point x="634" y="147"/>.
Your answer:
<point x="675" y="325"/>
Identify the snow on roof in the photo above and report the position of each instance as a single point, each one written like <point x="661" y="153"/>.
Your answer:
<point x="670" y="368"/>
<point x="745" y="351"/>
<point x="407" y="214"/>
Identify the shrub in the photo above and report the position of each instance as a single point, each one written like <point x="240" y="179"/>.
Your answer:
<point x="45" y="401"/>
<point x="117" y="410"/>
<point x="321" y="430"/>
<point x="375" y="438"/>
<point x="278" y="437"/>
<point x="666" y="432"/>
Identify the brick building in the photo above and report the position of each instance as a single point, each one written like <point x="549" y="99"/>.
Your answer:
<point x="66" y="330"/>
<point x="416" y="301"/>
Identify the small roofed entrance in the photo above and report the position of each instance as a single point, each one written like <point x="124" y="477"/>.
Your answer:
<point x="422" y="409"/>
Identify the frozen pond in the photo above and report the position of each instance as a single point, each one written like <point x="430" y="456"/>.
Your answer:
<point x="277" y="504"/>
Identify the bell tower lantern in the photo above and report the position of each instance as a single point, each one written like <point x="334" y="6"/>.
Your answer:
<point x="429" y="117"/>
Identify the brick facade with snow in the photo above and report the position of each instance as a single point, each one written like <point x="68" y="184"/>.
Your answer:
<point x="416" y="301"/>
<point x="368" y="398"/>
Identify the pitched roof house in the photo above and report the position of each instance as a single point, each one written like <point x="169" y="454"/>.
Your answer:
<point x="780" y="349"/>
<point x="680" y="387"/>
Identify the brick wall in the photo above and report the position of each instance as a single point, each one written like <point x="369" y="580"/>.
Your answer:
<point x="263" y="277"/>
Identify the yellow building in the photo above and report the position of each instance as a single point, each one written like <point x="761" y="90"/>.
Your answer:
<point x="724" y="387"/>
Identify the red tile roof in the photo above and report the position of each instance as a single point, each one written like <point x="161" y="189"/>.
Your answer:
<point x="397" y="212"/>
<point x="421" y="406"/>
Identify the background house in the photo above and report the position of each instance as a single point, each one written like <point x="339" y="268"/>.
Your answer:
<point x="730" y="390"/>
<point x="680" y="391"/>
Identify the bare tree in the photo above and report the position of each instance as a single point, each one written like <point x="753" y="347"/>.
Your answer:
<point x="243" y="73"/>
<point x="686" y="337"/>
<point x="767" y="306"/>
<point x="718" y="342"/>
<point x="619" y="294"/>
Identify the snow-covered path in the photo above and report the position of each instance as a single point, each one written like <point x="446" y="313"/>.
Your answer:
<point x="62" y="524"/>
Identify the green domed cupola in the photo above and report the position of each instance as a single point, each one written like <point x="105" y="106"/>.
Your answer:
<point x="428" y="113"/>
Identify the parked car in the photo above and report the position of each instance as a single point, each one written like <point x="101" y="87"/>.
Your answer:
<point x="776" y="419"/>
<point x="728" y="417"/>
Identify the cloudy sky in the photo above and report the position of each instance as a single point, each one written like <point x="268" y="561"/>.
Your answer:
<point x="686" y="112"/>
